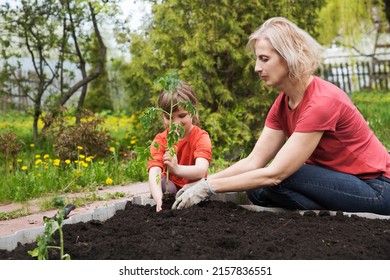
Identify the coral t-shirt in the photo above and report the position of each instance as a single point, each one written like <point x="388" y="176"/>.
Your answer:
<point x="196" y="145"/>
<point x="348" y="144"/>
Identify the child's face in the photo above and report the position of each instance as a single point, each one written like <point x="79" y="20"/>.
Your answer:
<point x="181" y="117"/>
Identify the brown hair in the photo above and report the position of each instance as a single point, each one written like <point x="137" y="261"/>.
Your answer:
<point x="183" y="92"/>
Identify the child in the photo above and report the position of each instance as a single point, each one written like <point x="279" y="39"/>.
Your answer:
<point x="193" y="151"/>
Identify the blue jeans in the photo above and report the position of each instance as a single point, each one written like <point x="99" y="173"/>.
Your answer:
<point x="317" y="188"/>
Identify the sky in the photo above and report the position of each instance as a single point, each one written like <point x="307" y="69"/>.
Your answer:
<point x="137" y="9"/>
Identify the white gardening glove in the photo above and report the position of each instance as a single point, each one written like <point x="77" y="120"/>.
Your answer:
<point x="185" y="187"/>
<point x="193" y="195"/>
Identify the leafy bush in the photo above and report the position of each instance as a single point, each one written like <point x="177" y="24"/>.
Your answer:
<point x="87" y="135"/>
<point x="10" y="146"/>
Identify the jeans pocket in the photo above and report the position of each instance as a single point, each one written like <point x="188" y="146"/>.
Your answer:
<point x="383" y="178"/>
<point x="377" y="185"/>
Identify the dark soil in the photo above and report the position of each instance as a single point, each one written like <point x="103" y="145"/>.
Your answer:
<point x="167" y="200"/>
<point x="218" y="230"/>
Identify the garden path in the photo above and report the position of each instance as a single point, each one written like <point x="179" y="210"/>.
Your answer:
<point x="34" y="220"/>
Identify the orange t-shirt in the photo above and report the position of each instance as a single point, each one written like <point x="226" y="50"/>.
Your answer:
<point x="196" y="145"/>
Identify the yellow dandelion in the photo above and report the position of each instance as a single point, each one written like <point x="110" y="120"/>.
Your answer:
<point x="67" y="161"/>
<point x="112" y="149"/>
<point x="133" y="141"/>
<point x="24" y="167"/>
<point x="84" y="164"/>
<point x="46" y="156"/>
<point x="37" y="156"/>
<point x="89" y="159"/>
<point x="108" y="181"/>
<point x="81" y="156"/>
<point x="57" y="162"/>
<point x="38" y="161"/>
<point x="79" y="147"/>
<point x="32" y="145"/>
<point x="19" y="160"/>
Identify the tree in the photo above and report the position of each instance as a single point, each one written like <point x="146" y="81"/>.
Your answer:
<point x="387" y="9"/>
<point x="346" y="21"/>
<point x="54" y="36"/>
<point x="206" y="42"/>
<point x="98" y="98"/>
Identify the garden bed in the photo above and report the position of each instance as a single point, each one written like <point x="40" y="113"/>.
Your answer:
<point x="222" y="230"/>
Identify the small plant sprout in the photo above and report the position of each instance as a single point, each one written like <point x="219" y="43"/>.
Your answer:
<point x="53" y="224"/>
<point x="169" y="84"/>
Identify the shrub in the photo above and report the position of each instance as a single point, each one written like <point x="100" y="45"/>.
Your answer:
<point x="68" y="139"/>
<point x="10" y="146"/>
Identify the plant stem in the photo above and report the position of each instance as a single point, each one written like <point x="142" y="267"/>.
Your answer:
<point x="61" y="243"/>
<point x="169" y="148"/>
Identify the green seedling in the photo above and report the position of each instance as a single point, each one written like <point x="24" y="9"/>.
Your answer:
<point x="169" y="83"/>
<point x="53" y="224"/>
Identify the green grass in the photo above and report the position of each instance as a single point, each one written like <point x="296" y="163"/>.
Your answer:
<point x="375" y="107"/>
<point x="35" y="171"/>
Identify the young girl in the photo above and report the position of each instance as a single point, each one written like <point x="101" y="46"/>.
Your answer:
<point x="193" y="151"/>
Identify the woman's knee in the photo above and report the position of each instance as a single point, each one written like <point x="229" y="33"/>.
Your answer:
<point x="259" y="197"/>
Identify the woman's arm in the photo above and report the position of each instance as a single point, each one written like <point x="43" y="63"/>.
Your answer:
<point x="268" y="144"/>
<point x="292" y="155"/>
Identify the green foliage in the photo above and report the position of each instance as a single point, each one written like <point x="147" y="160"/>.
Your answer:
<point x="68" y="138"/>
<point x="54" y="37"/>
<point x="52" y="225"/>
<point x="37" y="171"/>
<point x="348" y="20"/>
<point x="98" y="97"/>
<point x="10" y="146"/>
<point x="206" y="41"/>
<point x="375" y="107"/>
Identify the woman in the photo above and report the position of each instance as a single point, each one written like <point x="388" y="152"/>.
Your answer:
<point x="316" y="151"/>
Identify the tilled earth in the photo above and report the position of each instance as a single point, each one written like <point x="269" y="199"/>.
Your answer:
<point x="217" y="230"/>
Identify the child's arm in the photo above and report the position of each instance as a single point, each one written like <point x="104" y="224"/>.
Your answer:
<point x="191" y="172"/>
<point x="155" y="186"/>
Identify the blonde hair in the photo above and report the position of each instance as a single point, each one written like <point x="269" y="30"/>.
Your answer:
<point x="183" y="92"/>
<point x="302" y="53"/>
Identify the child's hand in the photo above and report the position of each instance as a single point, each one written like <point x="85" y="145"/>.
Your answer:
<point x="159" y="206"/>
<point x="171" y="162"/>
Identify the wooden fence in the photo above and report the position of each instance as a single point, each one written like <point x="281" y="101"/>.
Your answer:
<point x="359" y="75"/>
